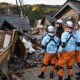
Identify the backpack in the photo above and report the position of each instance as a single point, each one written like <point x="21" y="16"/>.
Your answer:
<point x="71" y="35"/>
<point x="51" y="39"/>
<point x="63" y="44"/>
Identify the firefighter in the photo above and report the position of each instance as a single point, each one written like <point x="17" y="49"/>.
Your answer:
<point x="59" y="30"/>
<point x="49" y="43"/>
<point x="77" y="36"/>
<point x="66" y="51"/>
<point x="59" y="27"/>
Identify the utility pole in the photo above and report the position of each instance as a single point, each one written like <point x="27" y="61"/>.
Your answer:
<point x="21" y="9"/>
<point x="19" y="4"/>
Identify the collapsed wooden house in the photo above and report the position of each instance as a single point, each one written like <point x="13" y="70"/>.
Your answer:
<point x="10" y="25"/>
<point x="69" y="9"/>
<point x="50" y="19"/>
<point x="16" y="21"/>
<point x="7" y="39"/>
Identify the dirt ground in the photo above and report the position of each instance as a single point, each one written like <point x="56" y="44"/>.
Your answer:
<point x="32" y="74"/>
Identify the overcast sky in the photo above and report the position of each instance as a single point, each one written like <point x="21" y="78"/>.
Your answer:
<point x="48" y="2"/>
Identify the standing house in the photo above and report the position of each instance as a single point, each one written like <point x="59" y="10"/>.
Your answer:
<point x="69" y="9"/>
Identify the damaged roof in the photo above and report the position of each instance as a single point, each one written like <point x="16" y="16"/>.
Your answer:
<point x="16" y="21"/>
<point x="50" y="19"/>
<point x="74" y="4"/>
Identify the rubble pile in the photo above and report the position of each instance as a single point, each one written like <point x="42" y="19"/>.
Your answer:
<point x="18" y="64"/>
<point x="20" y="53"/>
<point x="32" y="60"/>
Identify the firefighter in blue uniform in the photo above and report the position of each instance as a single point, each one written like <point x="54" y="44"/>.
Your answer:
<point x="66" y="51"/>
<point x="49" y="45"/>
<point x="77" y="36"/>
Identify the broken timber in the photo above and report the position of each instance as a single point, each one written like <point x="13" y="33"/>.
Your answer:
<point x="7" y="39"/>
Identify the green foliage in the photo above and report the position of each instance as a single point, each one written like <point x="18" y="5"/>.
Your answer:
<point x="34" y="12"/>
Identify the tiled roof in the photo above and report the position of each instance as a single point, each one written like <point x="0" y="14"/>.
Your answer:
<point x="74" y="4"/>
<point x="16" y="21"/>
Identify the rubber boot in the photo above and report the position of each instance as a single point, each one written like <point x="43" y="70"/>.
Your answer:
<point x="69" y="78"/>
<point x="51" y="74"/>
<point x="78" y="73"/>
<point x="60" y="78"/>
<point x="78" y="76"/>
<point x="41" y="75"/>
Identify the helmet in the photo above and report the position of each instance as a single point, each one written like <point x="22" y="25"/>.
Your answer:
<point x="69" y="18"/>
<point x="51" y="29"/>
<point x="59" y="21"/>
<point x="69" y="24"/>
<point x="79" y="23"/>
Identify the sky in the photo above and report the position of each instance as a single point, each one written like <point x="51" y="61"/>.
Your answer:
<point x="47" y="2"/>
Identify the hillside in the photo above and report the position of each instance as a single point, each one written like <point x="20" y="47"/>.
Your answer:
<point x="7" y="8"/>
<point x="6" y="4"/>
<point x="34" y="12"/>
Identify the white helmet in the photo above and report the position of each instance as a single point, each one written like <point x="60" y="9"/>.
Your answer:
<point x="79" y="23"/>
<point x="51" y="29"/>
<point x="69" y="24"/>
<point x="59" y="21"/>
<point x="69" y="18"/>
